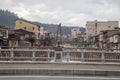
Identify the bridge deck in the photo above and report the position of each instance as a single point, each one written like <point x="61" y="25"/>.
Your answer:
<point x="60" y="66"/>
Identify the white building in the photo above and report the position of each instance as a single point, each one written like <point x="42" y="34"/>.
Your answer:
<point x="75" y="32"/>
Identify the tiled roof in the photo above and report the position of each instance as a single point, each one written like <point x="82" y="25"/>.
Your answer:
<point x="28" y="22"/>
<point x="20" y="31"/>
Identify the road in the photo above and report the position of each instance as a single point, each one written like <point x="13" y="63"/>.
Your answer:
<point x="54" y="78"/>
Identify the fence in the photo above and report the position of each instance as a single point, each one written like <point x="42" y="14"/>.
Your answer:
<point x="64" y="56"/>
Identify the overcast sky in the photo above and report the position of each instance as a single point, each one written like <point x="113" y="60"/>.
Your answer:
<point x="67" y="12"/>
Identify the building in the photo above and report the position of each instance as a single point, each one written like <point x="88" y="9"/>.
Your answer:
<point x="31" y="27"/>
<point x="91" y="28"/>
<point x="82" y="40"/>
<point x="109" y="39"/>
<point x="108" y="25"/>
<point x="75" y="33"/>
<point x="20" y="37"/>
<point x="3" y="36"/>
<point x="114" y="39"/>
<point x="95" y="27"/>
<point x="47" y="38"/>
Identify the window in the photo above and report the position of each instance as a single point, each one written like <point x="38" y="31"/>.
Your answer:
<point x="108" y="26"/>
<point x="21" y="37"/>
<point x="3" y="33"/>
<point x="24" y="28"/>
<point x="1" y="41"/>
<point x="32" y="36"/>
<point x="38" y="29"/>
<point x="20" y="22"/>
<point x="32" y="28"/>
<point x="15" y="43"/>
<point x="27" y="36"/>
<point x="5" y="42"/>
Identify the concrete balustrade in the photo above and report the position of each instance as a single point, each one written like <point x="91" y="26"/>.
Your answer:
<point x="64" y="56"/>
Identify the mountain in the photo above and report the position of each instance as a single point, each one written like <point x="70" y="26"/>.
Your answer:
<point x="53" y="28"/>
<point x="7" y="18"/>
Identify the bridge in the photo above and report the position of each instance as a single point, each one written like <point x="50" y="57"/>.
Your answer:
<point x="68" y="61"/>
<point x="66" y="55"/>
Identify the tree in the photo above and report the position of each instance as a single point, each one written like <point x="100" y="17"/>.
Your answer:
<point x="8" y="18"/>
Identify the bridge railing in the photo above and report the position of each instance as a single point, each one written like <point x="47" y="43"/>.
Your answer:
<point x="64" y="56"/>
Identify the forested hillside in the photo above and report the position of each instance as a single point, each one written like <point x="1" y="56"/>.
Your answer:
<point x="53" y="28"/>
<point x="7" y="18"/>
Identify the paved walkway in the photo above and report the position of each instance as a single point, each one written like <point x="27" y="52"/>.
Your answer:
<point x="59" y="66"/>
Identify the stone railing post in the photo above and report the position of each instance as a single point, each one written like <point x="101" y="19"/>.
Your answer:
<point x="82" y="57"/>
<point x="68" y="57"/>
<point x="103" y="56"/>
<point x="48" y="54"/>
<point x="11" y="54"/>
<point x="33" y="55"/>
